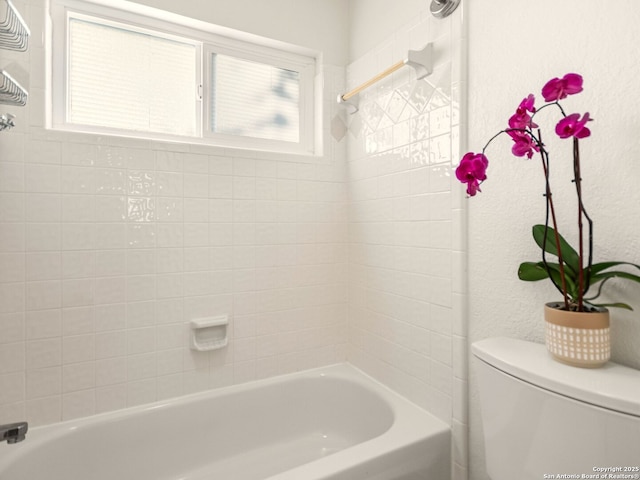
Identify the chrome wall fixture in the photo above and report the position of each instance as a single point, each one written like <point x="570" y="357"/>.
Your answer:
<point x="7" y="121"/>
<point x="443" y="8"/>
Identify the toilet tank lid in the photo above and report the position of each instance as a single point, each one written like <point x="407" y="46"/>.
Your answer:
<point x="612" y="386"/>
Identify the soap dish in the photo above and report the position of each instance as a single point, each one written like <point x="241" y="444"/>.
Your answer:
<point x="209" y="333"/>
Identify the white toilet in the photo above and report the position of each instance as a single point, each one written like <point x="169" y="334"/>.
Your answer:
<point x="543" y="419"/>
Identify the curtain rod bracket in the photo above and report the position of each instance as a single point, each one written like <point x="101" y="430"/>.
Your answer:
<point x="352" y="103"/>
<point x="421" y="61"/>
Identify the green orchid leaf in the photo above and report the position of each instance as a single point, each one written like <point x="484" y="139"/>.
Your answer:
<point x="597" y="273"/>
<point x="598" y="267"/>
<point x="569" y="255"/>
<point x="615" y="274"/>
<point x="571" y="282"/>
<point x="532" y="271"/>
<point x="569" y="277"/>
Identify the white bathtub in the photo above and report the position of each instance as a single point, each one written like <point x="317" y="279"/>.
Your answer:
<point x="328" y="423"/>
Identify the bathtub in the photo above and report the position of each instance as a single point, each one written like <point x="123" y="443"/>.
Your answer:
<point x="328" y="423"/>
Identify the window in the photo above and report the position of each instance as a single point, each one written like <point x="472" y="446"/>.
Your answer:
<point x="128" y="73"/>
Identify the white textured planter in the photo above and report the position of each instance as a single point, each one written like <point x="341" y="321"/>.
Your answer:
<point x="580" y="339"/>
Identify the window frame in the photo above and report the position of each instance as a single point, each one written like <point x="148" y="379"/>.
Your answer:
<point x="208" y="39"/>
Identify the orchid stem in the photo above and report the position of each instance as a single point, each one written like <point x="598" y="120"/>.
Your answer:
<point x="551" y="210"/>
<point x="583" y="277"/>
<point x="578" y="181"/>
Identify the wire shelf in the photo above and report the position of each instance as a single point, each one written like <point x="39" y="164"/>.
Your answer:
<point x="14" y="33"/>
<point x="11" y="93"/>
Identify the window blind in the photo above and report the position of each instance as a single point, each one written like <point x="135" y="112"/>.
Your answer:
<point x="126" y="79"/>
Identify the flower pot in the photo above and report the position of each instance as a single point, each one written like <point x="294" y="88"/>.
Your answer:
<point x="580" y="339"/>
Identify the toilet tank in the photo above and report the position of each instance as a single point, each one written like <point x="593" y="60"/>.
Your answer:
<point x="546" y="420"/>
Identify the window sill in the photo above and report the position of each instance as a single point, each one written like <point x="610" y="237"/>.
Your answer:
<point x="201" y="146"/>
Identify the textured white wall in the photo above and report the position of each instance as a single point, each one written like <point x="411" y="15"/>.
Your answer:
<point x="515" y="47"/>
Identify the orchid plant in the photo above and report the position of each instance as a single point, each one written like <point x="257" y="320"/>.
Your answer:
<point x="574" y="272"/>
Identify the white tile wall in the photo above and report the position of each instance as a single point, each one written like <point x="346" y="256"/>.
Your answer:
<point x="108" y="247"/>
<point x="406" y="251"/>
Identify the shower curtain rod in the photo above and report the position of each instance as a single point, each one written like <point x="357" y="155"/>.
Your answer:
<point x="376" y="79"/>
<point x="420" y="60"/>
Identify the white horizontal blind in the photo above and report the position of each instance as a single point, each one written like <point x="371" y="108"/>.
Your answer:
<point x="253" y="99"/>
<point x="131" y="80"/>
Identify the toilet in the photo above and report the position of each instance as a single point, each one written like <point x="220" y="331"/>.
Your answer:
<point x="546" y="420"/>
